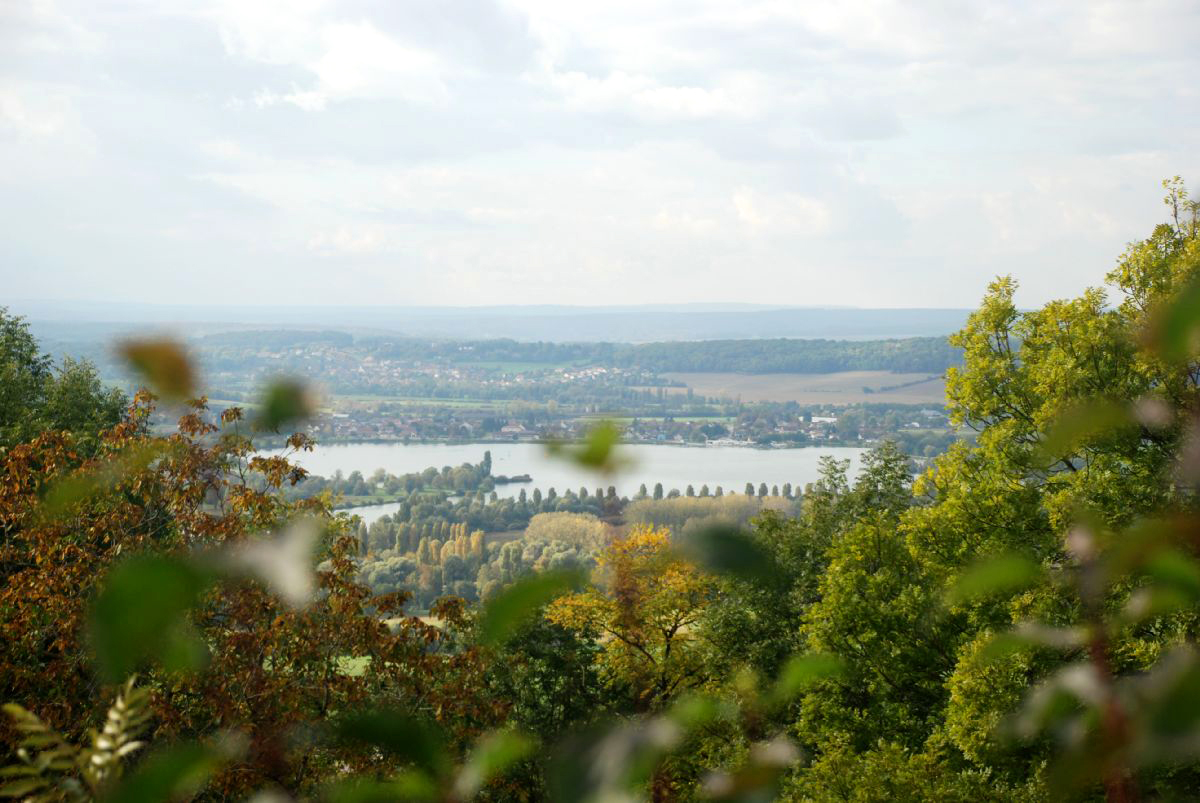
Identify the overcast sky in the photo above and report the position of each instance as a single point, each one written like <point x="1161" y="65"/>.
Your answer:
<point x="548" y="151"/>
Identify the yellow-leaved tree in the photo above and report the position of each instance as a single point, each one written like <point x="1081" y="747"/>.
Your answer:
<point x="644" y="610"/>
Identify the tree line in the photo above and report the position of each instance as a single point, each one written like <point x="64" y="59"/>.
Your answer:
<point x="776" y="355"/>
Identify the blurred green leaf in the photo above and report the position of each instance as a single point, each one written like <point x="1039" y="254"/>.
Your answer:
<point x="401" y="734"/>
<point x="1059" y="697"/>
<point x="728" y="550"/>
<point x="694" y="711"/>
<point x="24" y="787"/>
<point x="757" y="781"/>
<point x="1082" y="424"/>
<point x="802" y="671"/>
<point x="413" y="785"/>
<point x="1032" y="634"/>
<point x="285" y="402"/>
<point x="1175" y="709"/>
<point x="607" y="761"/>
<point x="163" y="365"/>
<point x="1172" y="568"/>
<point x="63" y="495"/>
<point x="1174" y="330"/>
<point x="1130" y="551"/>
<point x="175" y="773"/>
<point x="598" y="451"/>
<point x="1000" y="574"/>
<point x="141" y="612"/>
<point x="183" y="650"/>
<point x="494" y="754"/>
<point x="507" y="611"/>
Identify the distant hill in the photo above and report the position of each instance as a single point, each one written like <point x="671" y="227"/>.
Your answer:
<point x="634" y="324"/>
<point x="752" y="356"/>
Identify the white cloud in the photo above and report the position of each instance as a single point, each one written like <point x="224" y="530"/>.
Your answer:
<point x="739" y="96"/>
<point x="351" y="240"/>
<point x="42" y="27"/>
<point x="468" y="151"/>
<point x="358" y="61"/>
<point x="30" y="113"/>
<point x="348" y="60"/>
<point x="781" y="213"/>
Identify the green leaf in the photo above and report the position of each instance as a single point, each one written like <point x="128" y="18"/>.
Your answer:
<point x="492" y="756"/>
<point x="802" y="671"/>
<point x="400" y="734"/>
<point x="141" y="611"/>
<point x="1001" y="574"/>
<point x="598" y="451"/>
<point x="1175" y="328"/>
<point x="757" y="781"/>
<point x="1082" y="424"/>
<point x="286" y="401"/>
<point x="183" y="650"/>
<point x="19" y="769"/>
<point x="23" y="787"/>
<point x="1032" y="634"/>
<point x="1175" y="570"/>
<point x="693" y="711"/>
<point x="1175" y="711"/>
<point x="728" y="550"/>
<point x="412" y="785"/>
<point x="163" y="365"/>
<point x="1058" y="698"/>
<point x="517" y="604"/>
<point x="607" y="761"/>
<point x="61" y="496"/>
<point x="175" y="773"/>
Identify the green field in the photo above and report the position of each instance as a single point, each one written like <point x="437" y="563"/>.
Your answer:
<point x="844" y="387"/>
<point x="628" y="419"/>
<point x="489" y="404"/>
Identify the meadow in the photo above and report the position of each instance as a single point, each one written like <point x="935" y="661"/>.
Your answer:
<point x="842" y="387"/>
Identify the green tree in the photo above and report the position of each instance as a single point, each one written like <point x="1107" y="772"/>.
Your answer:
<point x="918" y="678"/>
<point x="35" y="397"/>
<point x="24" y="371"/>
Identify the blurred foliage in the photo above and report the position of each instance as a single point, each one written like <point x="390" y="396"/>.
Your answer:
<point x="597" y="452"/>
<point x="51" y="768"/>
<point x="163" y="365"/>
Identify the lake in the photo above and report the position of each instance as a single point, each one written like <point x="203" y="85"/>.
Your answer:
<point x="674" y="466"/>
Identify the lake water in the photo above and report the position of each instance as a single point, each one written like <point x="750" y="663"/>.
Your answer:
<point x="674" y="466"/>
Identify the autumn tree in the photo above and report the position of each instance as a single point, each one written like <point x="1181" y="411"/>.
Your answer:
<point x="644" y="609"/>
<point x="253" y="662"/>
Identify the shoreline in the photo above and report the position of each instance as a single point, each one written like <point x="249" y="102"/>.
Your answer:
<point x="576" y="441"/>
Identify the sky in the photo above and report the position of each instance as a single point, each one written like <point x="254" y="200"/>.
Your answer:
<point x="462" y="152"/>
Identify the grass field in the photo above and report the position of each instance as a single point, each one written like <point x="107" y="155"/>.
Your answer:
<point x="845" y="387"/>
<point x="423" y="401"/>
<point x="618" y="418"/>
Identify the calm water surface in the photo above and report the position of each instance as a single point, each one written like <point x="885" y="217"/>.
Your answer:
<point x="674" y="466"/>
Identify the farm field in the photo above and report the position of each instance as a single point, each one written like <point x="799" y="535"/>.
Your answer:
<point x="416" y="401"/>
<point x="844" y="387"/>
